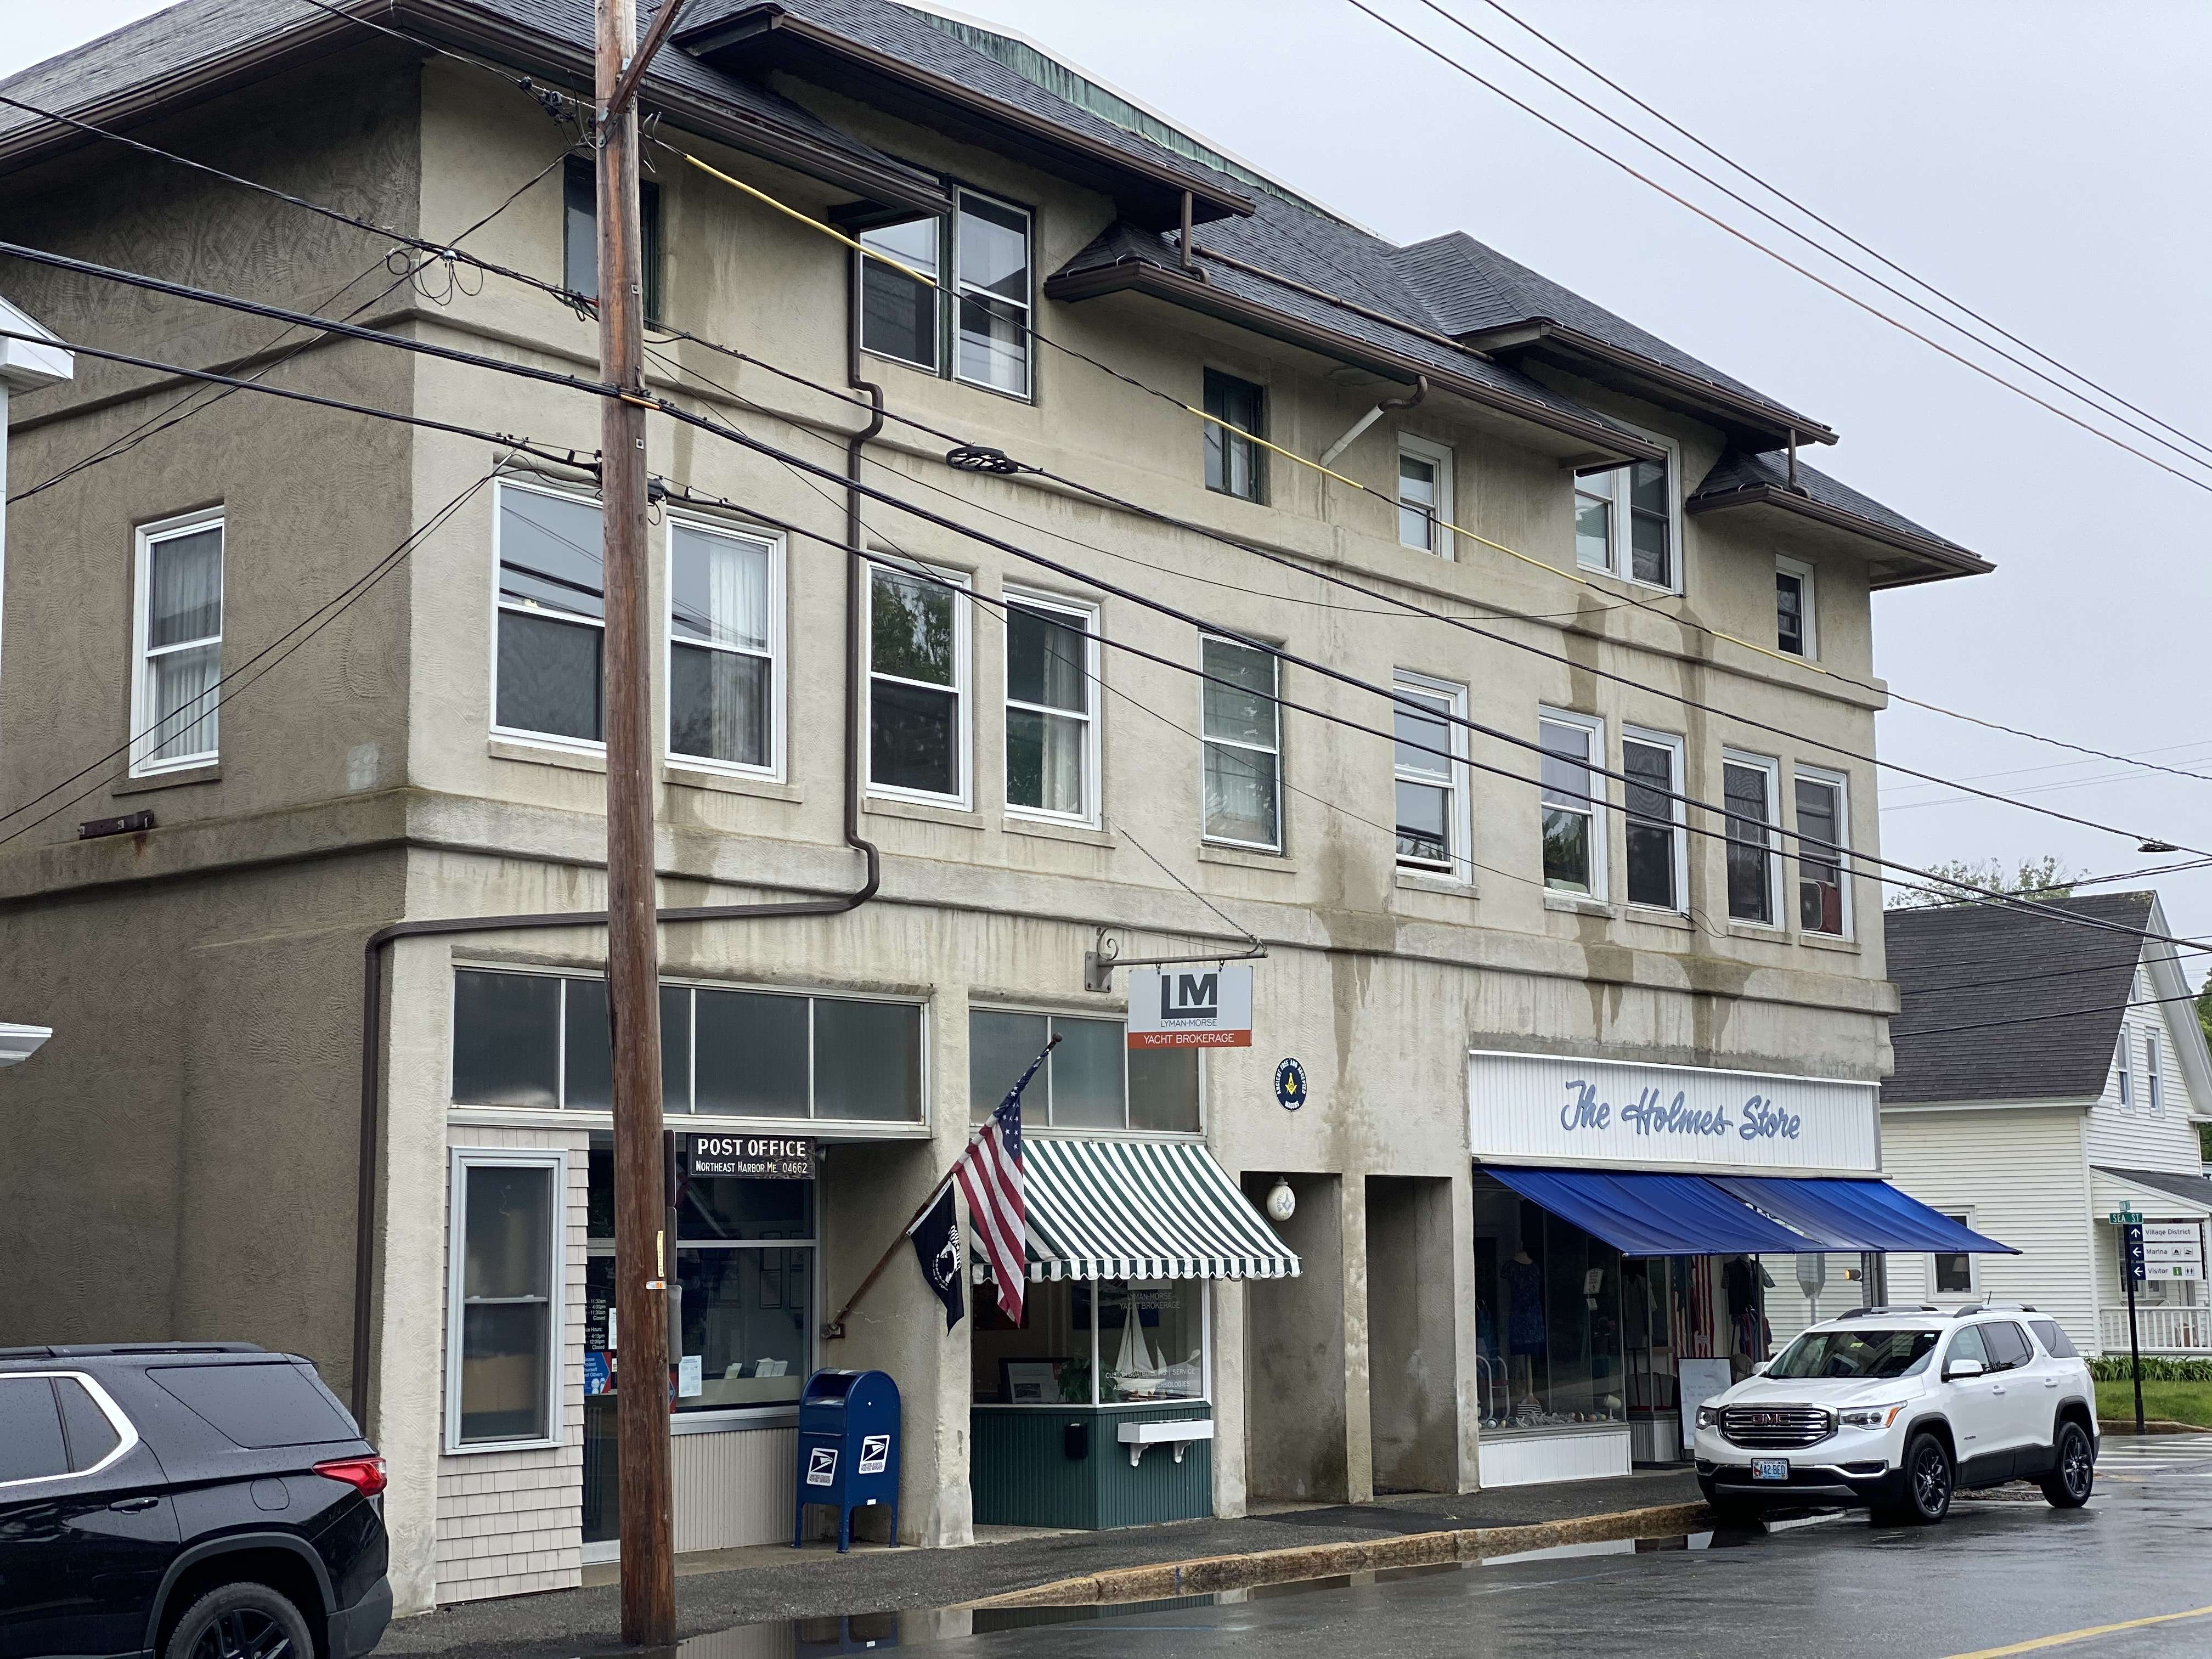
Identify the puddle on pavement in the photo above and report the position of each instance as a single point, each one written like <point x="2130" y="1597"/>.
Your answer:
<point x="867" y="1632"/>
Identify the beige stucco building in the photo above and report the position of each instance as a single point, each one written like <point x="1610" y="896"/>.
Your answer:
<point x="1684" y="612"/>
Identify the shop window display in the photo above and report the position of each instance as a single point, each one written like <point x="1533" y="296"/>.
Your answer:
<point x="1106" y="1342"/>
<point x="1547" y="1319"/>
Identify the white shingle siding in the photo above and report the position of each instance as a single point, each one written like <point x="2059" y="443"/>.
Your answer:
<point x="512" y="1522"/>
<point x="2022" y="1174"/>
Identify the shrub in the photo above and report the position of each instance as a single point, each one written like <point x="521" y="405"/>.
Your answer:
<point x="2156" y="1368"/>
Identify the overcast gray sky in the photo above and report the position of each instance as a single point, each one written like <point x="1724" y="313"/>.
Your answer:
<point x="2043" y="161"/>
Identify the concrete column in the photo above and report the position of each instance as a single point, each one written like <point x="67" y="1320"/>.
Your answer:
<point x="1466" y="1453"/>
<point x="1413" y="1371"/>
<point x="1306" y="1342"/>
<point x="1229" y="1421"/>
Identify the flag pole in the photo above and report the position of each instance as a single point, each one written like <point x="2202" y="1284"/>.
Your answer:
<point x="835" y="1329"/>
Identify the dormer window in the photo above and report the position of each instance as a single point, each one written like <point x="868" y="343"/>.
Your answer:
<point x="979" y="260"/>
<point x="1624" y="523"/>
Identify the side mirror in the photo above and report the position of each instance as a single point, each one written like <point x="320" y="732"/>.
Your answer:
<point x="1762" y="1368"/>
<point x="1960" y="1369"/>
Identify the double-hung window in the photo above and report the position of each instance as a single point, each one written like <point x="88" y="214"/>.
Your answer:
<point x="898" y="313"/>
<point x="1052" y="729"/>
<point x="1823" y="835"/>
<point x="1624" y="523"/>
<point x="1431" y="779"/>
<point x="552" y="617"/>
<point x="918" y="686"/>
<point x="1092" y="1080"/>
<point x="1424" y="494"/>
<point x="1241" y="724"/>
<point x="983" y="250"/>
<point x="1570" y="795"/>
<point x="1235" y="465"/>
<point x="992" y="249"/>
<point x="1750" y="793"/>
<point x="725" y="648"/>
<point x="1953" y="1275"/>
<point x="1652" y="804"/>
<point x="1793" y="608"/>
<point x="2154" y="1094"/>
<point x="2123" y="1066"/>
<point x="579" y="234"/>
<point x="503" y="1296"/>
<point x="174" y="700"/>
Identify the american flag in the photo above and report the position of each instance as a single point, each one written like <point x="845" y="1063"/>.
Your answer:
<point x="990" y="1176"/>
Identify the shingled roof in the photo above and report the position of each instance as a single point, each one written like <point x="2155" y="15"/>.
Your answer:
<point x="2037" y="993"/>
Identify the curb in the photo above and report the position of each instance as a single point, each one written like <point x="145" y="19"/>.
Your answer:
<point x="2152" y="1426"/>
<point x="1164" y="1580"/>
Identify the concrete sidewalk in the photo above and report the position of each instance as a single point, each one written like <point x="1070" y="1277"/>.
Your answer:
<point x="721" y="1589"/>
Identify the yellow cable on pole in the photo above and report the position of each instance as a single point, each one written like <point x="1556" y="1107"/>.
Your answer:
<point x="934" y="283"/>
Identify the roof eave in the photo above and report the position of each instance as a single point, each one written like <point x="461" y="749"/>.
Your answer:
<point x="1749" y="415"/>
<point x="769" y="22"/>
<point x="1142" y="276"/>
<point x="1939" y="562"/>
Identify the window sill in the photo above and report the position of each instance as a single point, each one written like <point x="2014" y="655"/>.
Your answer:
<point x="1830" y="942"/>
<point x="1245" y="858"/>
<point x="1431" y="881"/>
<point x="1051" y="829"/>
<point x="491" y="1446"/>
<point x="1652" y="916"/>
<point x="534" y="754"/>
<point x="678" y="775"/>
<point x="951" y="813"/>
<point x="1576" y="904"/>
<point x="176" y="780"/>
<point x="1772" y="932"/>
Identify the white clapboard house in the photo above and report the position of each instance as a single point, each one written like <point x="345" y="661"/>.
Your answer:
<point x="2049" y="1075"/>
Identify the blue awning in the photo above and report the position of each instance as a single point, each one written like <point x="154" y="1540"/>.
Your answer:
<point x="1858" y="1215"/>
<point x="1644" y="1213"/>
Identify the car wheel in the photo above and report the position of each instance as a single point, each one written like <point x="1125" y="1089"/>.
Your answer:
<point x="2074" y="1471"/>
<point x="1928" y="1484"/>
<point x="243" y="1620"/>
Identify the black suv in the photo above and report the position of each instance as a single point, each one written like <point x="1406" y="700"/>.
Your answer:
<point x="184" y="1501"/>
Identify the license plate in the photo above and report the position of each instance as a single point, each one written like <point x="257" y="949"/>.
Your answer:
<point x="1770" y="1469"/>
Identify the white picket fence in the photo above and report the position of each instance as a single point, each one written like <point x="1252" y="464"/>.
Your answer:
<point x="2162" y="1330"/>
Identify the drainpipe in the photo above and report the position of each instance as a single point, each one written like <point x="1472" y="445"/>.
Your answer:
<point x="1793" y="457"/>
<point x="1190" y="267"/>
<point x="1420" y="390"/>
<point x="372" y="953"/>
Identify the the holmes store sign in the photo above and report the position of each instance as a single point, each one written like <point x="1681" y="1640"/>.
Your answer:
<point x="1557" y="1109"/>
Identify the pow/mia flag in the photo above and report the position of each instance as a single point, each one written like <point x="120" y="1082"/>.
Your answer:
<point x="937" y="1246"/>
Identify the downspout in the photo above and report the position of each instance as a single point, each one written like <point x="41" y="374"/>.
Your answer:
<point x="1190" y="267"/>
<point x="372" y="953"/>
<point x="1420" y="390"/>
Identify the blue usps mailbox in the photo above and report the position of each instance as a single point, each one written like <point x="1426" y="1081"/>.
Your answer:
<point x="848" y="1448"/>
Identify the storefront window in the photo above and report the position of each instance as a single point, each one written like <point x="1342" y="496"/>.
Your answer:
<point x="1092" y="1080"/>
<point x="1547" y="1318"/>
<point x="1148" y="1337"/>
<point x="540" y="1040"/>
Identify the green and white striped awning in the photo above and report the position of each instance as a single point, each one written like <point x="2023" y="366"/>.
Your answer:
<point x="1141" y="1209"/>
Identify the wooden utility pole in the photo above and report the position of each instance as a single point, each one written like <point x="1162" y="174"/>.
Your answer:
<point x="645" y="1256"/>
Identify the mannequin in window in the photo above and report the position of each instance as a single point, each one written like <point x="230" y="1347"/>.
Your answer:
<point x="1524" y="1325"/>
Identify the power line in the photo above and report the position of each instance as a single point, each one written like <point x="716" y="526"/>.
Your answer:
<point x="1777" y="191"/>
<point x="1445" y="58"/>
<point x="1784" y="226"/>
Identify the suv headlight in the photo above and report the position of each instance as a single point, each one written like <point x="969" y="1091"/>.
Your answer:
<point x="1708" y="1417"/>
<point x="1869" y="1417"/>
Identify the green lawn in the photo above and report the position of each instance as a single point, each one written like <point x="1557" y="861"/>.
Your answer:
<point x="2177" y="1402"/>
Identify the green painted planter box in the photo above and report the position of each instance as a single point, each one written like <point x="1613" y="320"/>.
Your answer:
<point x="1019" y="1474"/>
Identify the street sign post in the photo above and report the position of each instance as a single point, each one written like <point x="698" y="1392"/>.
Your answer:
<point x="2131" y="1246"/>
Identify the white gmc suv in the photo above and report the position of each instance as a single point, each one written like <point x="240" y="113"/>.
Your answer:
<point x="1899" y="1408"/>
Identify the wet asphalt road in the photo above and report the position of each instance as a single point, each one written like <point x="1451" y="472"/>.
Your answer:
<point x="1997" y="1573"/>
<point x="2000" y="1572"/>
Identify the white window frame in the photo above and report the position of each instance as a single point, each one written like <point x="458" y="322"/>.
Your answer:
<point x="1440" y="456"/>
<point x="2123" y="1064"/>
<point x="1086" y="616"/>
<point x="951" y="283"/>
<point x="963" y="687"/>
<point x="499" y="606"/>
<point x="1778" y="921"/>
<point x="1678" y="811"/>
<point x="1841" y="783"/>
<point x="2154" y="1089"/>
<point x="1618" y="564"/>
<point x="465" y="1158"/>
<point x="778" y="721"/>
<point x="1600" y="832"/>
<point x="1275" y="664"/>
<point x="1458" y="866"/>
<point x="1804" y="574"/>
<point x="147" y="537"/>
<point x="1965" y="1218"/>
